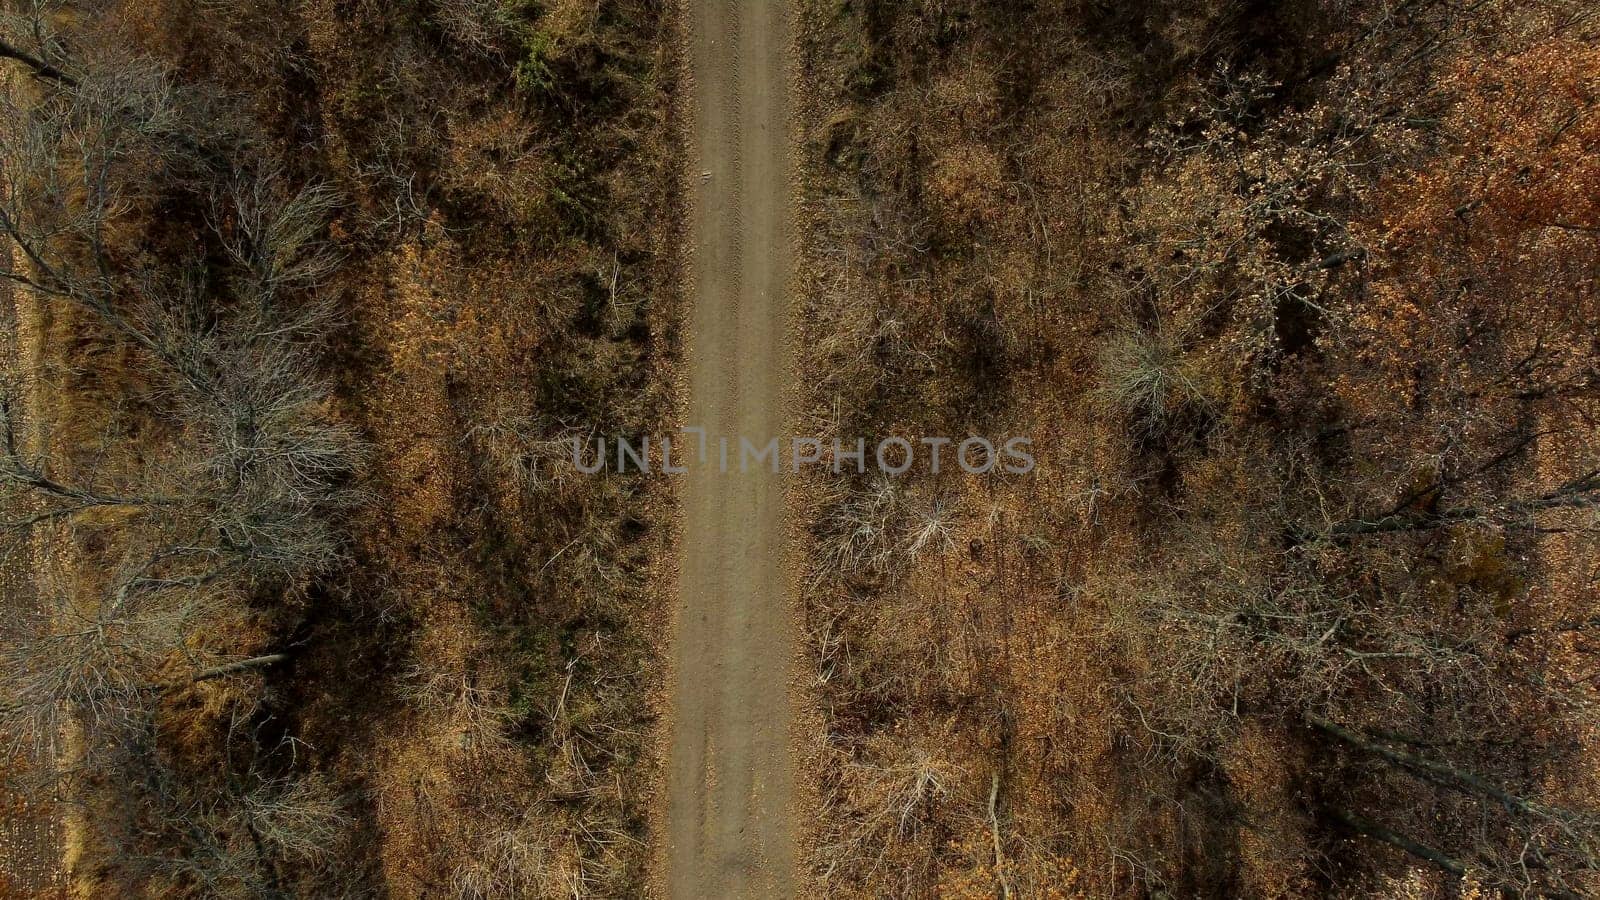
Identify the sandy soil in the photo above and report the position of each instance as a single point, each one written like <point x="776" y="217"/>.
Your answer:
<point x="730" y="783"/>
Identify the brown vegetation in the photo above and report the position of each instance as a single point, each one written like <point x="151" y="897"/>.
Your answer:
<point x="323" y="284"/>
<point x="1297" y="303"/>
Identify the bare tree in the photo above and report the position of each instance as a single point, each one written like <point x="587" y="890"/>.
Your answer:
<point x="241" y="833"/>
<point x="24" y="38"/>
<point x="242" y="495"/>
<point x="81" y="662"/>
<point x="260" y="464"/>
<point x="1554" y="844"/>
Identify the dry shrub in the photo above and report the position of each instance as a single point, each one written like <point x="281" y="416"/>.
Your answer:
<point x="880" y="806"/>
<point x="506" y="863"/>
<point x="496" y="158"/>
<point x="973" y="873"/>
<point x="864" y="528"/>
<point x="538" y="856"/>
<point x="460" y="691"/>
<point x="879" y="528"/>
<point x="1147" y="377"/>
<point x="483" y="26"/>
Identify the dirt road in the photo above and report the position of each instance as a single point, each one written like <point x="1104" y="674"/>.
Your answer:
<point x="729" y="827"/>
<point x="30" y="829"/>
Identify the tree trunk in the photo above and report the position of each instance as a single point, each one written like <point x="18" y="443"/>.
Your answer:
<point x="1579" y="493"/>
<point x="41" y="69"/>
<point x="1432" y="769"/>
<point x="1395" y="839"/>
<point x="243" y="665"/>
